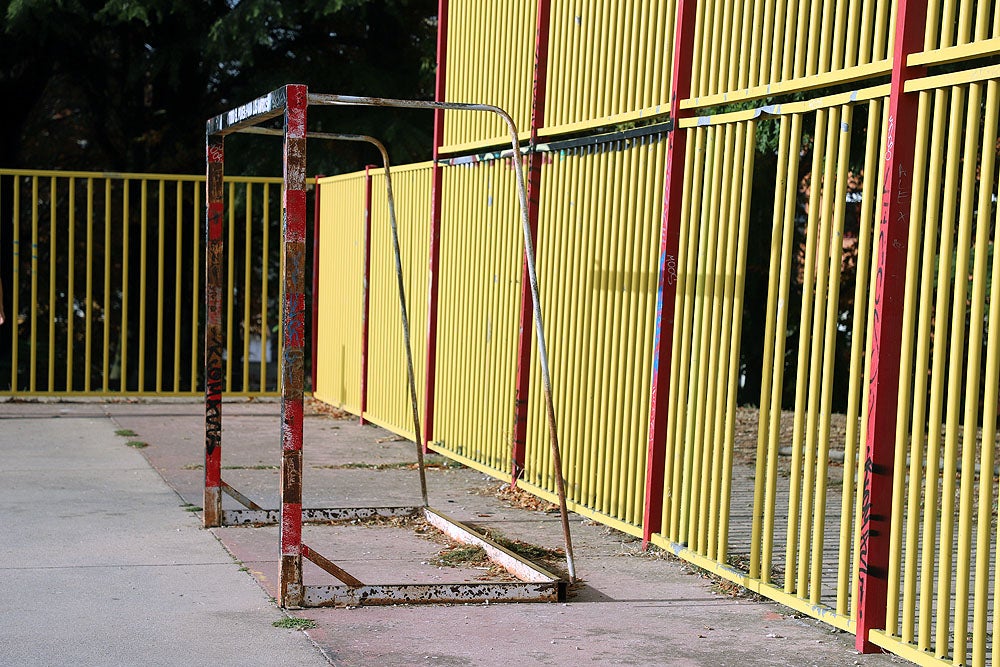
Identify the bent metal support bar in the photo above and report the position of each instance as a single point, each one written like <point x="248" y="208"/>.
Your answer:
<point x="529" y="257"/>
<point x="535" y="584"/>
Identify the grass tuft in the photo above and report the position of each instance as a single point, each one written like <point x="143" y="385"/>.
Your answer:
<point x="295" y="624"/>
<point x="136" y="444"/>
<point x="126" y="432"/>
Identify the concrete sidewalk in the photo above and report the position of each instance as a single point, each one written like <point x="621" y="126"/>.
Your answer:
<point x="164" y="591"/>
<point x="100" y="565"/>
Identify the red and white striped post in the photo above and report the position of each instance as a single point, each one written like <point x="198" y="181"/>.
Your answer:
<point x="666" y="292"/>
<point x="887" y="328"/>
<point x="214" y="333"/>
<point x="293" y="246"/>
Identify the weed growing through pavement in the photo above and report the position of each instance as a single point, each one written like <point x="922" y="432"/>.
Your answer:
<point x="295" y="624"/>
<point x="137" y="444"/>
<point x="126" y="432"/>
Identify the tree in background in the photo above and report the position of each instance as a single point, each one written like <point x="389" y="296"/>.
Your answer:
<point x="127" y="85"/>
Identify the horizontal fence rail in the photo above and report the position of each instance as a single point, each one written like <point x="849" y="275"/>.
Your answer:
<point x="104" y="283"/>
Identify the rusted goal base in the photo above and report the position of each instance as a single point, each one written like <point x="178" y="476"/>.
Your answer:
<point x="389" y="594"/>
<point x="243" y="517"/>
<point x="534" y="584"/>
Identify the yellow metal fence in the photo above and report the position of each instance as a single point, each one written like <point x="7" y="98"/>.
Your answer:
<point x="105" y="283"/>
<point x="766" y="435"/>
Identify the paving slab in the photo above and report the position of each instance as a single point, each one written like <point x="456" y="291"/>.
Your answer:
<point x="101" y="565"/>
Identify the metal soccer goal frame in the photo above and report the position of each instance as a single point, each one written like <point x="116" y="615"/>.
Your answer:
<point x="291" y="101"/>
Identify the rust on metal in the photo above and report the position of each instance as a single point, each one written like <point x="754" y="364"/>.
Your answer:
<point x="263" y="517"/>
<point x="391" y="594"/>
<point x="214" y="334"/>
<point x="330" y="567"/>
<point x="239" y="497"/>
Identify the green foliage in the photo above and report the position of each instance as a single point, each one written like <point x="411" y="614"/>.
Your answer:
<point x="295" y="624"/>
<point x="127" y="85"/>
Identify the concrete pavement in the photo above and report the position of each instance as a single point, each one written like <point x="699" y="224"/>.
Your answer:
<point x="100" y="564"/>
<point x="106" y="567"/>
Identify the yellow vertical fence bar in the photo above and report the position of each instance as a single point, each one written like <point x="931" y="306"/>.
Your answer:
<point x="32" y="373"/>
<point x="230" y="269"/>
<point x="88" y="334"/>
<point x="943" y="364"/>
<point x="245" y="292"/>
<point x="178" y="270"/>
<point x="265" y="254"/>
<point x="53" y="246"/>
<point x="123" y="371"/>
<point x="769" y="420"/>
<point x="793" y="546"/>
<point x="143" y="236"/>
<point x="196" y="299"/>
<point x="759" y="537"/>
<point x="695" y="165"/>
<point x="15" y="316"/>
<point x="963" y="452"/>
<point x="987" y="460"/>
<point x="106" y="303"/>
<point x="839" y="192"/>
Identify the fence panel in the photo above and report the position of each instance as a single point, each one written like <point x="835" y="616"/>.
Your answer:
<point x="755" y="50"/>
<point x="609" y="62"/>
<point x="480" y="272"/>
<point x="105" y="283"/>
<point x="340" y="311"/>
<point x="597" y="252"/>
<point x="388" y="390"/>
<point x="491" y="50"/>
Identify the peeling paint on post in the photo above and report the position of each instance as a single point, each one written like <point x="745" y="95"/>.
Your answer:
<point x="214" y="334"/>
<point x="293" y="237"/>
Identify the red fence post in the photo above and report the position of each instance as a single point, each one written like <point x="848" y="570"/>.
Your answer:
<point x="293" y="245"/>
<point x="365" y="292"/>
<point x="666" y="292"/>
<point x="887" y="326"/>
<point x="538" y="90"/>
<point x="214" y="334"/>
<point x="434" y="251"/>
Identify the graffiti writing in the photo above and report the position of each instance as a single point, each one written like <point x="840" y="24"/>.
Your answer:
<point x="213" y="390"/>
<point x="250" y="109"/>
<point x="671" y="269"/>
